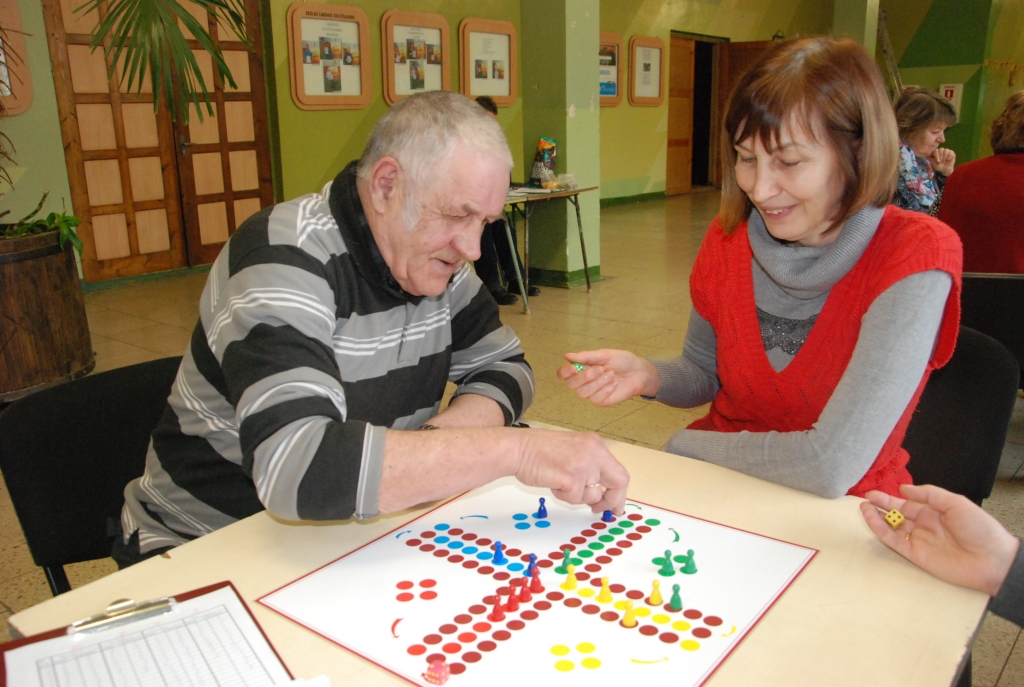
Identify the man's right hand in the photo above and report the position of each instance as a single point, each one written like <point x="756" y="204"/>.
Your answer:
<point x="576" y="466"/>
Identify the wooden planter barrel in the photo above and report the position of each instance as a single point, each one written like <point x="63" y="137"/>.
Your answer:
<point x="44" y="332"/>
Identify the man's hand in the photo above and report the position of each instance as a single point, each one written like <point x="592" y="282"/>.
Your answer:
<point x="610" y="377"/>
<point x="946" y="535"/>
<point x="943" y="160"/>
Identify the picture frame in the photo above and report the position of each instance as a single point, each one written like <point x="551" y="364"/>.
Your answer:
<point x="487" y="60"/>
<point x="610" y="59"/>
<point x="329" y="56"/>
<point x="15" y="78"/>
<point x="646" y="71"/>
<point x="427" y="69"/>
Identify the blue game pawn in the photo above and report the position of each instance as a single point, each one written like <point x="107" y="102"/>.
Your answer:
<point x="532" y="565"/>
<point x="607" y="516"/>
<point x="542" y="510"/>
<point x="499" y="556"/>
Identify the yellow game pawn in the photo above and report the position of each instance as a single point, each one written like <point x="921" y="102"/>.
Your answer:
<point x="629" y="620"/>
<point x="606" y="595"/>
<point x="570" y="579"/>
<point x="655" y="598"/>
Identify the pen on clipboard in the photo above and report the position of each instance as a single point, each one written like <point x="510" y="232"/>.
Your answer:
<point x="122" y="611"/>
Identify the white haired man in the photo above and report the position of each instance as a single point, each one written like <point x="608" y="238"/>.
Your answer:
<point x="328" y="329"/>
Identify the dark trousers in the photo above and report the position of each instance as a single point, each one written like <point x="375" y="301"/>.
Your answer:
<point x="495" y="267"/>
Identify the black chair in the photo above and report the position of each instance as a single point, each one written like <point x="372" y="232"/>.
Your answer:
<point x="67" y="453"/>
<point x="993" y="304"/>
<point x="956" y="436"/>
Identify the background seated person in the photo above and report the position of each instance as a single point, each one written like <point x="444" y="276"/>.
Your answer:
<point x="331" y="323"/>
<point x="923" y="116"/>
<point x="818" y="310"/>
<point x="984" y="200"/>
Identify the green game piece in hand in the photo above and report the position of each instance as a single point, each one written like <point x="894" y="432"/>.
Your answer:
<point x="667" y="569"/>
<point x="676" y="603"/>
<point x="579" y="367"/>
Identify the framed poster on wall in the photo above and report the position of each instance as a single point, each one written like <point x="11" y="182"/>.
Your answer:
<point x="610" y="60"/>
<point x="415" y="53"/>
<point x="487" y="51"/>
<point x="646" y="71"/>
<point x="328" y="48"/>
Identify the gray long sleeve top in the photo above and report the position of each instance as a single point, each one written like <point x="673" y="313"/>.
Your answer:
<point x="791" y="283"/>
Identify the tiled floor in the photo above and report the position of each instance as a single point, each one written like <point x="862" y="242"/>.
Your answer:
<point x="642" y="305"/>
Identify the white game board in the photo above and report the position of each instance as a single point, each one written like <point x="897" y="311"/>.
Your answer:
<point x="426" y="590"/>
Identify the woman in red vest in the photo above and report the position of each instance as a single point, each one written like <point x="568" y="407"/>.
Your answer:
<point x="818" y="310"/>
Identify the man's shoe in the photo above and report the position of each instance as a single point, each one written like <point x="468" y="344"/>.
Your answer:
<point x="504" y="298"/>
<point x="514" y="288"/>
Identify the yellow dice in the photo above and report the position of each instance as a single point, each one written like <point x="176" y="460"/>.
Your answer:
<point x="894" y="518"/>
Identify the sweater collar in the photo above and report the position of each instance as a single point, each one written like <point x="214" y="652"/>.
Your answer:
<point x="804" y="271"/>
<point x="348" y="212"/>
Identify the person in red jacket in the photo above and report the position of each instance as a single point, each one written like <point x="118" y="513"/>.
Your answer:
<point x="818" y="310"/>
<point x="984" y="199"/>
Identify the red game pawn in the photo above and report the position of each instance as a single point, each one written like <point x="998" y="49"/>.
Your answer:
<point x="524" y="593"/>
<point x="513" y="603"/>
<point x="535" y="586"/>
<point x="498" y="613"/>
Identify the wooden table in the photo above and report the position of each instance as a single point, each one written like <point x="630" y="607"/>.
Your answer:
<point x="858" y="615"/>
<point x="523" y="205"/>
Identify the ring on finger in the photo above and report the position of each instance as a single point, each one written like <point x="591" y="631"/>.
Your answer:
<point x="592" y="486"/>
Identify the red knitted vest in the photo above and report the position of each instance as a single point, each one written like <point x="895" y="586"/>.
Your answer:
<point x="756" y="398"/>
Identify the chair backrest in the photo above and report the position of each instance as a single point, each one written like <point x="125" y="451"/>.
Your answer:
<point x="993" y="304"/>
<point x="956" y="436"/>
<point x="67" y="453"/>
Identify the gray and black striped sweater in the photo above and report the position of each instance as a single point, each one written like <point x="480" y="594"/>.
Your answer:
<point x="305" y="352"/>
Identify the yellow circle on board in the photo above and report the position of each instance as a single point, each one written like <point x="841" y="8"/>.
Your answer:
<point x="661" y="618"/>
<point x="641" y="612"/>
<point x="681" y="625"/>
<point x="621" y="605"/>
<point x="690" y="645"/>
<point x="585" y="647"/>
<point x="564" y="666"/>
<point x="587" y="591"/>
<point x="590" y="663"/>
<point x="559" y="650"/>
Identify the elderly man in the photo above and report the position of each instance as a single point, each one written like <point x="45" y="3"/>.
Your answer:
<point x="328" y="329"/>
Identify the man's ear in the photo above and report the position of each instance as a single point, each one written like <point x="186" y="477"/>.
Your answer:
<point x="384" y="183"/>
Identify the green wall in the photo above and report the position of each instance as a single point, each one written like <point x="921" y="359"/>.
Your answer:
<point x="634" y="164"/>
<point x="35" y="133"/>
<point x="316" y="145"/>
<point x="1006" y="40"/>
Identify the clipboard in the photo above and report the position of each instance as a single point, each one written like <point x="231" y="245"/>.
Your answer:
<point x="124" y="615"/>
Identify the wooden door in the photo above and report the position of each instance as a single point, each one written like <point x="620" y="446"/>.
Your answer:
<point x="121" y="168"/>
<point x="224" y="160"/>
<point x="734" y="59"/>
<point x="679" y="164"/>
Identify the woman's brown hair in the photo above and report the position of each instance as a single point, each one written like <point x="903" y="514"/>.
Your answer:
<point x="1008" y="129"/>
<point x="919" y="108"/>
<point x="836" y="92"/>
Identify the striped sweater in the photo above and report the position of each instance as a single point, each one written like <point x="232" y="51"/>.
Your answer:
<point x="305" y="353"/>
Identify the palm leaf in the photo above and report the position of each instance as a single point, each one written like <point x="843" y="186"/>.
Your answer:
<point x="145" y="39"/>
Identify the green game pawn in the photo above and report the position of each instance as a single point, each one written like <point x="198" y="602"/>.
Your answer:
<point x="667" y="569"/>
<point x="676" y="603"/>
<point x="561" y="570"/>
<point x="691" y="566"/>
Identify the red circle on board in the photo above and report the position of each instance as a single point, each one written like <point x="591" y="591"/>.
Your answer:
<point x="603" y="560"/>
<point x="435" y="657"/>
<point x="454" y="532"/>
<point x="456" y="558"/>
<point x="427" y="535"/>
<point x="525" y="557"/>
<point x="447" y="629"/>
<point x="429" y="595"/>
<point x="599" y="526"/>
<point x="669" y="637"/>
<point x="432" y="639"/>
<point x="515" y="625"/>
<point x="591" y="609"/>
<point x="469" y="564"/>
<point x="596" y="581"/>
<point x="512" y="553"/>
<point x="468" y="536"/>
<point x="692" y="613"/>
<point x="483" y="542"/>
<point x="635" y="516"/>
<point x="609" y="616"/>
<point x="477" y="609"/>
<point x="405" y="596"/>
<point x="489" y="600"/>
<point x="417" y="650"/>
<point x="482" y="627"/>
<point x="516" y="582"/>
<point x="441" y="553"/>
<point x="573" y="602"/>
<point x="485" y="570"/>
<point x="713" y="621"/>
<point x="633" y="536"/>
<point x="578" y="540"/>
<point x="582" y="576"/>
<point x="624" y="544"/>
<point x="427" y="584"/>
<point x="563" y="547"/>
<point x="555" y="555"/>
<point x="467" y="637"/>
<point x="668" y="607"/>
<point x="702" y="633"/>
<point x="405" y="584"/>
<point x="463" y="618"/>
<point x="617" y="588"/>
<point x="544" y="564"/>
<point x="451" y="648"/>
<point x="555" y="596"/>
<point x="487" y="645"/>
<point x="501" y="576"/>
<point x="471" y="657"/>
<point x="634" y="594"/>
<point x="592" y="567"/>
<point x="529" y="615"/>
<point x="427" y="547"/>
<point x="614" y="552"/>
<point x="588" y="533"/>
<point x="413" y="542"/>
<point x="643" y="529"/>
<point x="648" y="630"/>
<point x="542" y="605"/>
<point x="504" y="591"/>
<point x="456" y="668"/>
<point x="502" y="635"/>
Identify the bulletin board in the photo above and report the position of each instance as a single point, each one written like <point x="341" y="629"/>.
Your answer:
<point x="415" y="54"/>
<point x="328" y="56"/>
<point x="646" y="71"/>
<point x="487" y="65"/>
<point x="610" y="59"/>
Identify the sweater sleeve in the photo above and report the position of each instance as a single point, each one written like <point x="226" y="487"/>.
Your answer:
<point x="896" y="341"/>
<point x="1009" y="602"/>
<point x="690" y="379"/>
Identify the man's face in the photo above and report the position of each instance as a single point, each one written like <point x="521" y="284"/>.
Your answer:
<point x="452" y="213"/>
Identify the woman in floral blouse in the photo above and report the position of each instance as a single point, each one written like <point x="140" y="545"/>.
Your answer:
<point x="923" y="116"/>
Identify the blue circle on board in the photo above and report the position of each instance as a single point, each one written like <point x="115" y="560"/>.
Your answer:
<point x="515" y="567"/>
<point x="470" y="550"/>
<point x="543" y="523"/>
<point x="440" y="540"/>
<point x="522" y="525"/>
<point x="485" y="555"/>
<point x="520" y="516"/>
<point x="454" y="545"/>
<point x="441" y="527"/>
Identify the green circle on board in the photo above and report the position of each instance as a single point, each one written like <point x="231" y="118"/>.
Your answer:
<point x="625" y="523"/>
<point x="576" y="561"/>
<point x="652" y="522"/>
<point x="586" y="554"/>
<point x="606" y="538"/>
<point x="595" y="545"/>
<point x="616" y="530"/>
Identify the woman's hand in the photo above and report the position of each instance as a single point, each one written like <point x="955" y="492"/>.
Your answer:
<point x="943" y="160"/>
<point x="610" y="376"/>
